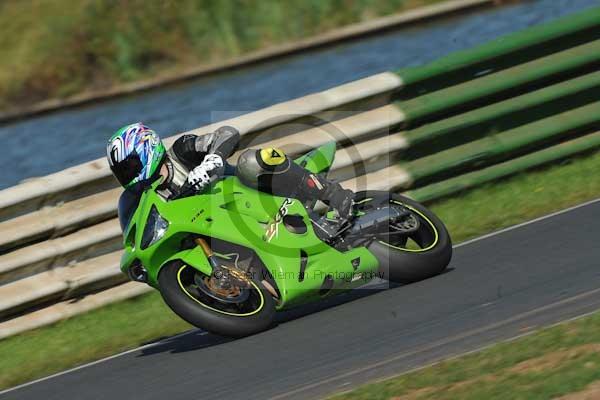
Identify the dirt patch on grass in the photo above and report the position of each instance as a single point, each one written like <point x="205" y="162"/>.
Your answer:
<point x="539" y="364"/>
<point x="416" y="394"/>
<point x="489" y="378"/>
<point x="591" y="392"/>
<point x="554" y="359"/>
<point x="446" y="389"/>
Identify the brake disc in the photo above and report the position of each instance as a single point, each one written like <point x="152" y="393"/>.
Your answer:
<point x="233" y="294"/>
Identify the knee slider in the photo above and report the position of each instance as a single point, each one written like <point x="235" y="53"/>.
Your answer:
<point x="271" y="157"/>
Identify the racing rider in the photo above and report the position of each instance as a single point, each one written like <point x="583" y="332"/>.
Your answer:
<point x="137" y="157"/>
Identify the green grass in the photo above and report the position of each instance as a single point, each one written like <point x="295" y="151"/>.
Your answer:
<point x="128" y="324"/>
<point x="57" y="48"/>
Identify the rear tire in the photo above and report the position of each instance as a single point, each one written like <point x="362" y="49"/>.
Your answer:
<point x="176" y="283"/>
<point x="405" y="265"/>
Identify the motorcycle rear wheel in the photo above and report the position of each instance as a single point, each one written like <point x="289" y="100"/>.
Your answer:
<point x="179" y="288"/>
<point x="431" y="248"/>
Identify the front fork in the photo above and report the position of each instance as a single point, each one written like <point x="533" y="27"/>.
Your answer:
<point x="220" y="275"/>
<point x="224" y="278"/>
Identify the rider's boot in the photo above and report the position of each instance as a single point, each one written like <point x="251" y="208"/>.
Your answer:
<point x="337" y="198"/>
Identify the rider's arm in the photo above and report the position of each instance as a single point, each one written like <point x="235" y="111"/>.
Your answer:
<point x="224" y="142"/>
<point x="191" y="149"/>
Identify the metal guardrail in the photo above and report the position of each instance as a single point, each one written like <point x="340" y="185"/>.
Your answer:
<point x="518" y="102"/>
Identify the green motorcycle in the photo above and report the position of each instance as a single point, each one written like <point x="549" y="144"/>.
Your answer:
<point x="227" y="258"/>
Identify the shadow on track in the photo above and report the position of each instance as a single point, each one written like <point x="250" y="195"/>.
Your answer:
<point x="197" y="339"/>
<point x="190" y="341"/>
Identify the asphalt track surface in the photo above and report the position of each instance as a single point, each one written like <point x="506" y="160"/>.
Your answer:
<point x="498" y="287"/>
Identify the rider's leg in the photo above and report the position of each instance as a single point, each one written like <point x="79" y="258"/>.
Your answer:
<point x="270" y="170"/>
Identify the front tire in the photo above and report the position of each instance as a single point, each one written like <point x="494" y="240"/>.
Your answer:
<point x="179" y="289"/>
<point x="398" y="262"/>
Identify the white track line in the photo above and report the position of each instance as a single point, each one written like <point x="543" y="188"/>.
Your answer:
<point x="468" y="242"/>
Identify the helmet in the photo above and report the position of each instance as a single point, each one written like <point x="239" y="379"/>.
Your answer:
<point x="135" y="153"/>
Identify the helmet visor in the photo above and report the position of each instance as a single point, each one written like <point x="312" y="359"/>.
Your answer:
<point x="128" y="169"/>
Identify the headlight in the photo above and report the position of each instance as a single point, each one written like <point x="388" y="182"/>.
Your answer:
<point x="155" y="229"/>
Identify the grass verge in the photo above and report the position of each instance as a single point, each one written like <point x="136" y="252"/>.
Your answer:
<point x="128" y="324"/>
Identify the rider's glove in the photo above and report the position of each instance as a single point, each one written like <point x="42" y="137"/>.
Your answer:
<point x="212" y="162"/>
<point x="199" y="177"/>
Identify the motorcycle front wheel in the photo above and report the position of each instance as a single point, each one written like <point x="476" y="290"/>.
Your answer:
<point x="236" y="311"/>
